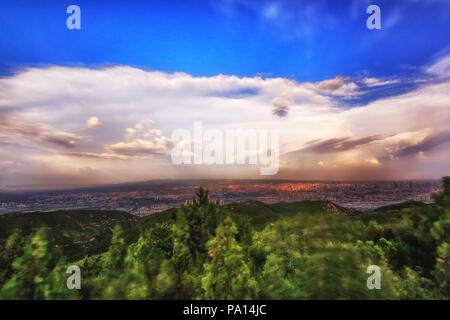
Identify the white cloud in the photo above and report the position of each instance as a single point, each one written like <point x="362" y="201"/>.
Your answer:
<point x="375" y="82"/>
<point x="142" y="141"/>
<point x="441" y="68"/>
<point x="339" y="86"/>
<point x="93" y="122"/>
<point x="271" y="11"/>
<point x="41" y="110"/>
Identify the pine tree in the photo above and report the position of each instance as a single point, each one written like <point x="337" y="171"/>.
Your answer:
<point x="12" y="250"/>
<point x="227" y="275"/>
<point x="37" y="275"/>
<point x="441" y="232"/>
<point x="202" y="198"/>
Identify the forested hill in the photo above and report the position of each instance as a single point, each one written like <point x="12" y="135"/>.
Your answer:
<point x="85" y="232"/>
<point x="248" y="250"/>
<point x="75" y="232"/>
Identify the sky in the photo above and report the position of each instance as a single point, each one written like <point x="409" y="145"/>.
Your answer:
<point x="100" y="104"/>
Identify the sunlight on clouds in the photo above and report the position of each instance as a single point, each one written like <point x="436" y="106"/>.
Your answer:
<point x="43" y="123"/>
<point x="93" y="122"/>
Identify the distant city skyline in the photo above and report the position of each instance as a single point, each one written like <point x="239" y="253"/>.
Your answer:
<point x="99" y="105"/>
<point x="148" y="198"/>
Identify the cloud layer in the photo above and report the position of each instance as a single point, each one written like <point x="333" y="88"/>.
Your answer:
<point x="80" y="125"/>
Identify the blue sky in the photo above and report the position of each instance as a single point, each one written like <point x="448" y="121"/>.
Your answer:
<point x="302" y="40"/>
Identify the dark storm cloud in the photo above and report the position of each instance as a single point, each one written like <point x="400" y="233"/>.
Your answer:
<point x="142" y="148"/>
<point x="137" y="151"/>
<point x="338" y="144"/>
<point x="280" y="110"/>
<point x="61" y="140"/>
<point x="16" y="127"/>
<point x="426" y="144"/>
<point x="281" y="106"/>
<point x="333" y="84"/>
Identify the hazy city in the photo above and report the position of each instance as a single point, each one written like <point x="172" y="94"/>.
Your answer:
<point x="149" y="197"/>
